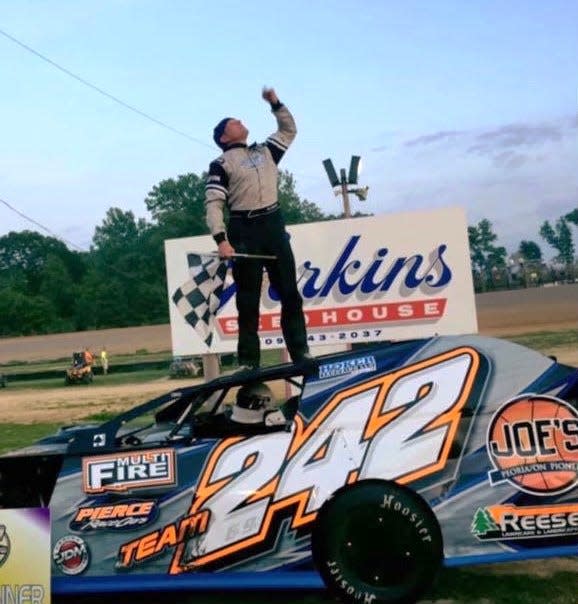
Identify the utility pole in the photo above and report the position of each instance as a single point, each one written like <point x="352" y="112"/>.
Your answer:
<point x="345" y="194"/>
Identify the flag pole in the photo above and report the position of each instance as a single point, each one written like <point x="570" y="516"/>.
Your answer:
<point x="237" y="255"/>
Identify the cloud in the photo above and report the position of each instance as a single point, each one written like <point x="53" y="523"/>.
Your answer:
<point x="516" y="135"/>
<point x="436" y="137"/>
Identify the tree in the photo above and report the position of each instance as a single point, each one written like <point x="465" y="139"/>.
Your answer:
<point x="178" y="206"/>
<point x="572" y="217"/>
<point x="560" y="238"/>
<point x="127" y="272"/>
<point x="295" y="210"/>
<point x="530" y="251"/>
<point x="23" y="258"/>
<point x="483" y="253"/>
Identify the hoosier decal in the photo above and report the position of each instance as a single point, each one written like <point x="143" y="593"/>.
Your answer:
<point x="121" y="472"/>
<point x="533" y="444"/>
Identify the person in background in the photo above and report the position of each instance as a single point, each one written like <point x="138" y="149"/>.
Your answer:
<point x="88" y="357"/>
<point x="104" y="360"/>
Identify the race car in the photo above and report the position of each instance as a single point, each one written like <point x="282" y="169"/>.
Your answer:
<point x="363" y="472"/>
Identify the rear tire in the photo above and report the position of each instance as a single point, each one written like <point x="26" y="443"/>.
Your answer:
<point x="377" y="542"/>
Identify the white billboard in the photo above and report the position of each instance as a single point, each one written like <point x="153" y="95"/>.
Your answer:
<point x="389" y="277"/>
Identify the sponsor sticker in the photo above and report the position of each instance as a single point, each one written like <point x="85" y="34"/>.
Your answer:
<point x="532" y="442"/>
<point x="498" y="522"/>
<point x="349" y="366"/>
<point x="71" y="555"/>
<point x="4" y="544"/>
<point x="123" y="472"/>
<point x="118" y="517"/>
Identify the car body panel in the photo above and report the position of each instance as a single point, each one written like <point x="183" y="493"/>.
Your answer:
<point x="485" y="431"/>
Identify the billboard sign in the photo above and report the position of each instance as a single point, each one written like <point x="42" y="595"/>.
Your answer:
<point x="389" y="277"/>
<point x="25" y="555"/>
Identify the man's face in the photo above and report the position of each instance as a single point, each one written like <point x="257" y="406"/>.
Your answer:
<point x="235" y="132"/>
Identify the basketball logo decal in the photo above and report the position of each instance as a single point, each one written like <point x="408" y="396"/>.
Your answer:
<point x="533" y="444"/>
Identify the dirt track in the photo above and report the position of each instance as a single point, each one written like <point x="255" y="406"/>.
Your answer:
<point x="499" y="313"/>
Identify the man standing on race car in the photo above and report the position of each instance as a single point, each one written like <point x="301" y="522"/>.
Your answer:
<point x="244" y="178"/>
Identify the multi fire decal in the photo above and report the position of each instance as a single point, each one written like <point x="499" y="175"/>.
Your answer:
<point x="4" y="544"/>
<point x="533" y="444"/>
<point x="400" y="426"/>
<point x="512" y="522"/>
<point x="70" y="554"/>
<point x="123" y="472"/>
<point x="118" y="517"/>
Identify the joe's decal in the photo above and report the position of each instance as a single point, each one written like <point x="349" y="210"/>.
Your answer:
<point x="533" y="444"/>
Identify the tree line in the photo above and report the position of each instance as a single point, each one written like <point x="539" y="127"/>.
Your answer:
<point x="491" y="263"/>
<point x="121" y="281"/>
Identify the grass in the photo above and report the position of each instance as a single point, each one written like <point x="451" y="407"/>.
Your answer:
<point x="15" y="436"/>
<point x="545" y="340"/>
<point x="455" y="586"/>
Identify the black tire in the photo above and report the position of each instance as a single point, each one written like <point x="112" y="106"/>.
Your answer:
<point x="377" y="542"/>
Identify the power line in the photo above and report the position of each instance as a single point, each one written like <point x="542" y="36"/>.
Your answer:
<point x="103" y="92"/>
<point x="11" y="207"/>
<point x="133" y="277"/>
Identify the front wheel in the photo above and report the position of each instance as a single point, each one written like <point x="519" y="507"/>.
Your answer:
<point x="377" y="542"/>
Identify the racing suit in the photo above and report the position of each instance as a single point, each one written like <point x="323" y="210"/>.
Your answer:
<point x="244" y="179"/>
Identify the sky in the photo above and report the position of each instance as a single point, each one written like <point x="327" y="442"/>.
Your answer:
<point x="448" y="103"/>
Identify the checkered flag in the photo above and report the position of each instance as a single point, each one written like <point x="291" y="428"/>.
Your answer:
<point x="198" y="299"/>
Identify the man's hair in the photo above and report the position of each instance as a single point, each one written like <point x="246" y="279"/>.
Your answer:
<point x="219" y="130"/>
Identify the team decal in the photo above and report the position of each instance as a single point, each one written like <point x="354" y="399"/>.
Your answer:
<point x="532" y="442"/>
<point x="499" y="522"/>
<point x="114" y="517"/>
<point x="71" y="555"/>
<point x="154" y="543"/>
<point x="122" y="471"/>
<point x="399" y="426"/>
<point x="4" y="544"/>
<point x="348" y="367"/>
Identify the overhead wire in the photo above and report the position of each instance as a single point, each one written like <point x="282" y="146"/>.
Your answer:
<point x="102" y="92"/>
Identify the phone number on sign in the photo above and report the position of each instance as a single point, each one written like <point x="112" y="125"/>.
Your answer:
<point x="327" y="338"/>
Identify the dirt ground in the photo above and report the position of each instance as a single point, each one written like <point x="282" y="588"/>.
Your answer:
<point x="499" y="314"/>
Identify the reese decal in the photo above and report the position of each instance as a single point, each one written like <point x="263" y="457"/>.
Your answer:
<point x="498" y="522"/>
<point x="533" y="444"/>
<point x="399" y="426"/>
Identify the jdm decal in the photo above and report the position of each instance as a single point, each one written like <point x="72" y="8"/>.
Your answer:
<point x="497" y="522"/>
<point x="532" y="442"/>
<point x="71" y="555"/>
<point x="128" y="471"/>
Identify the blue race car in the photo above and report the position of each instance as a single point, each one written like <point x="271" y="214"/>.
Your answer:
<point x="364" y="472"/>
